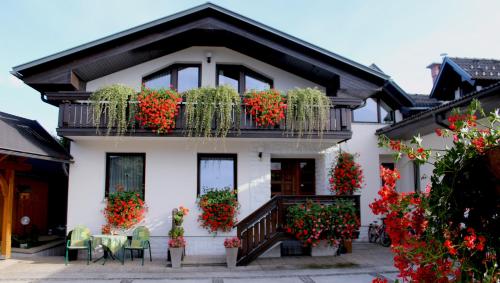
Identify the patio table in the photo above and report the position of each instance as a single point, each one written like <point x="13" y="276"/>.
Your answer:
<point x="111" y="244"/>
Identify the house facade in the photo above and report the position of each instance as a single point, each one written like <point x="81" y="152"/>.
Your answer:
<point x="204" y="47"/>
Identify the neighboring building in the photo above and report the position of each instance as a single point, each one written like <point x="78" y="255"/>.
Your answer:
<point x="202" y="47"/>
<point x="457" y="81"/>
<point x="33" y="182"/>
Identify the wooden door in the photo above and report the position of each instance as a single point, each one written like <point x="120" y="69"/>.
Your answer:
<point x="292" y="177"/>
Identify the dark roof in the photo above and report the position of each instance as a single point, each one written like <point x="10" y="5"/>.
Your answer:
<point x="204" y="25"/>
<point x="483" y="69"/>
<point x="424" y="122"/>
<point x="24" y="137"/>
<point x="424" y="100"/>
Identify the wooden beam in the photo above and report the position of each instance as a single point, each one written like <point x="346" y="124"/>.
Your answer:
<point x="8" y="200"/>
<point x="3" y="186"/>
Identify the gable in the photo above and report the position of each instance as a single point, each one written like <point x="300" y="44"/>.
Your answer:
<point x="205" y="25"/>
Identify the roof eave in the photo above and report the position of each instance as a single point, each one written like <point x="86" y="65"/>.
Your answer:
<point x="20" y="68"/>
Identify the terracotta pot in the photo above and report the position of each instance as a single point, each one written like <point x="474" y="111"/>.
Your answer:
<point x="176" y="257"/>
<point x="231" y="257"/>
<point x="348" y="246"/>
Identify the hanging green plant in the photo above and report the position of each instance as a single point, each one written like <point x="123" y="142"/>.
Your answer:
<point x="307" y="111"/>
<point x="207" y="105"/>
<point x="113" y="101"/>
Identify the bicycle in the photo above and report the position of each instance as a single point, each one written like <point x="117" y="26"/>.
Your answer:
<point x="377" y="234"/>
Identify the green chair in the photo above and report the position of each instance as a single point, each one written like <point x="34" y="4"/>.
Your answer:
<point x="79" y="239"/>
<point x="140" y="242"/>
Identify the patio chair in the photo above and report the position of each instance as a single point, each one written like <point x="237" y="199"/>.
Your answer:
<point x="79" y="239"/>
<point x="139" y="242"/>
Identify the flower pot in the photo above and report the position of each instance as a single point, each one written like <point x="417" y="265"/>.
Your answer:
<point x="324" y="249"/>
<point x="231" y="257"/>
<point x="348" y="246"/>
<point x="176" y="257"/>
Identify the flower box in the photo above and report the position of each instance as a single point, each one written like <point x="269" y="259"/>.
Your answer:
<point x="324" y="249"/>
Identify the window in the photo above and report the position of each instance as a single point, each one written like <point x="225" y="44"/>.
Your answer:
<point x="181" y="77"/>
<point x="374" y="111"/>
<point x="241" y="78"/>
<point x="216" y="171"/>
<point x="125" y="171"/>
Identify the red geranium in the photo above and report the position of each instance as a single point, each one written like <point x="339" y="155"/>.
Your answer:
<point x="266" y="106"/>
<point x="347" y="176"/>
<point x="123" y="210"/>
<point x="233" y="242"/>
<point x="218" y="210"/>
<point x="158" y="109"/>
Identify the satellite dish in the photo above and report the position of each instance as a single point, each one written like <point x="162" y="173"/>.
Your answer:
<point x="25" y="220"/>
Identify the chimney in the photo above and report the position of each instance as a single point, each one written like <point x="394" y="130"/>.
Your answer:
<point x="435" y="68"/>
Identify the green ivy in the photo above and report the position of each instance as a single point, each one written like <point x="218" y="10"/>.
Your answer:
<point x="207" y="105"/>
<point x="307" y="111"/>
<point x="113" y="102"/>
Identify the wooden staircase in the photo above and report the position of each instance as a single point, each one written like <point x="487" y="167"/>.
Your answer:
<point x="264" y="228"/>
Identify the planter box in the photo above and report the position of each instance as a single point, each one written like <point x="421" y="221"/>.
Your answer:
<point x="176" y="257"/>
<point x="324" y="249"/>
<point x="231" y="257"/>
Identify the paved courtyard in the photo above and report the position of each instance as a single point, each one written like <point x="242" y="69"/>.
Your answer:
<point x="366" y="261"/>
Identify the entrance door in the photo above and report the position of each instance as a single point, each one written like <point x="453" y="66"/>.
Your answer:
<point x="292" y="176"/>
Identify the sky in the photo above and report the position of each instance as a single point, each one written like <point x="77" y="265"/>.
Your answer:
<point x="401" y="37"/>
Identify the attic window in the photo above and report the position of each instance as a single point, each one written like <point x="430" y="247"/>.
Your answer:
<point x="181" y="77"/>
<point x="242" y="78"/>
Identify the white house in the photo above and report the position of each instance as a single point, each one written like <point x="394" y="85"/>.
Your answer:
<point x="202" y="47"/>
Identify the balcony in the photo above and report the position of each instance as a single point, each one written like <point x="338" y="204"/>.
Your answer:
<point x="75" y="119"/>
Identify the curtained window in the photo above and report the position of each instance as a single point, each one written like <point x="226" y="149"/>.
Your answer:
<point x="125" y="171"/>
<point x="216" y="171"/>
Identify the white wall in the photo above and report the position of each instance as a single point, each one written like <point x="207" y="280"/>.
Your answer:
<point x="171" y="166"/>
<point x="220" y="55"/>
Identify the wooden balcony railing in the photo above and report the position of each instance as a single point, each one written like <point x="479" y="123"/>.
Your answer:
<point x="264" y="228"/>
<point x="75" y="119"/>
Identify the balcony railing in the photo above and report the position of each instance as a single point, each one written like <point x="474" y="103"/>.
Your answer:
<point x="75" y="119"/>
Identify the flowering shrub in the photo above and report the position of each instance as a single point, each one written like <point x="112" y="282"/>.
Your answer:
<point x="123" y="210"/>
<point x="179" y="215"/>
<point x="347" y="176"/>
<point x="233" y="242"/>
<point x="218" y="210"/>
<point x="178" y="242"/>
<point x="312" y="222"/>
<point x="450" y="232"/>
<point x="266" y="106"/>
<point x="158" y="109"/>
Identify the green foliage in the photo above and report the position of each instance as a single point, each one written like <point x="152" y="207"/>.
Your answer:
<point x="113" y="102"/>
<point x="207" y="105"/>
<point x="313" y="222"/>
<point x="307" y="111"/>
<point x="175" y="232"/>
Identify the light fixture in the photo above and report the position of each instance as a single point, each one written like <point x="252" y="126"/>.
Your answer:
<point x="209" y="57"/>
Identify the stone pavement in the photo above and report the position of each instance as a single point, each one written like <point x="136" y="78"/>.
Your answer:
<point x="366" y="261"/>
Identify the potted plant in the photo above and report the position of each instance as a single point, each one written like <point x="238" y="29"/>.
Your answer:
<point x="232" y="245"/>
<point x="158" y="109"/>
<point x="176" y="247"/>
<point x="179" y="215"/>
<point x="218" y="210"/>
<point x="266" y="106"/>
<point x="346" y="177"/>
